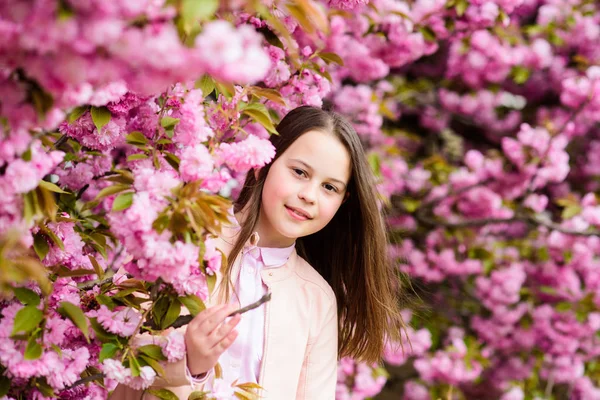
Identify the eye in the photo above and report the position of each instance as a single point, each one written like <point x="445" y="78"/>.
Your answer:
<point x="330" y="188"/>
<point x="299" y="172"/>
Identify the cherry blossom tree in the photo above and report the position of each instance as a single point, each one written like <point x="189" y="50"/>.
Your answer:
<point x="126" y="127"/>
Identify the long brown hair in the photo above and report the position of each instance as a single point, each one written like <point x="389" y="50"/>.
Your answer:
<point x="350" y="251"/>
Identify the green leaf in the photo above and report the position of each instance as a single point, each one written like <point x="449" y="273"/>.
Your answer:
<point x="193" y="303"/>
<point x="134" y="364"/>
<point x="172" y="159"/>
<point x="108" y="351"/>
<point x="4" y="385"/>
<point x="110" y="190"/>
<point x="33" y="350"/>
<point x="198" y="395"/>
<point x="74" y="313"/>
<point x="51" y="187"/>
<point x="331" y="57"/>
<point x="44" y="388"/>
<point x="168" y="122"/>
<point x="55" y="239"/>
<point x="40" y="245"/>
<point x="27" y="296"/>
<point x="138" y="156"/>
<point x="461" y="7"/>
<point x="164" y="394"/>
<point x="571" y="211"/>
<point x="136" y="137"/>
<point x="89" y="205"/>
<point x="160" y="309"/>
<point x="153" y="363"/>
<point x="428" y="33"/>
<point x="520" y="74"/>
<point x="97" y="268"/>
<point x="101" y="116"/>
<point x="27" y="319"/>
<point x="206" y="84"/>
<point x="101" y="333"/>
<point x="260" y="116"/>
<point x="193" y="11"/>
<point x="76" y="113"/>
<point x="375" y="163"/>
<point x="153" y="351"/>
<point x="123" y="201"/>
<point x="172" y="314"/>
<point x="63" y="271"/>
<point x="269" y="94"/>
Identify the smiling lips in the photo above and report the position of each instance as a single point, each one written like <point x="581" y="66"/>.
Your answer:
<point x="298" y="213"/>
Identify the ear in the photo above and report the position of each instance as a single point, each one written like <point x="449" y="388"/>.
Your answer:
<point x="346" y="195"/>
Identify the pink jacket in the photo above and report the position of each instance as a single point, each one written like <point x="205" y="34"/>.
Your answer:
<point x="300" y="351"/>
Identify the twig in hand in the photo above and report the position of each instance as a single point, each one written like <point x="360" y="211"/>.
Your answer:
<point x="186" y="319"/>
<point x="252" y="306"/>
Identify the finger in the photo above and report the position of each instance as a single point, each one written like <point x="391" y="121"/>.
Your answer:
<point x="204" y="314"/>
<point x="214" y="320"/>
<point x="222" y="331"/>
<point x="225" y="342"/>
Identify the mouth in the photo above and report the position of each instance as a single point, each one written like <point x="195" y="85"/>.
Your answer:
<point x="298" y="213"/>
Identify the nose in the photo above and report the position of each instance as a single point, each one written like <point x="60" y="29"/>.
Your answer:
<point x="307" y="193"/>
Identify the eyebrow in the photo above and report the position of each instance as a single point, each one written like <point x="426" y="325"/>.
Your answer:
<point x="311" y="168"/>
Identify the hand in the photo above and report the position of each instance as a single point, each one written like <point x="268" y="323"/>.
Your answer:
<point x="208" y="336"/>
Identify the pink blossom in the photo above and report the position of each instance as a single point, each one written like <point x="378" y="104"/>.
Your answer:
<point x="174" y="346"/>
<point x="144" y="380"/>
<point x="192" y="128"/>
<point x="232" y="54"/>
<point x="84" y="130"/>
<point x="536" y="202"/>
<point x="415" y="391"/>
<point x="113" y="369"/>
<point x="251" y="152"/>
<point x="109" y="93"/>
<point x="123" y="322"/>
<point x="515" y="393"/>
<point x="196" y="163"/>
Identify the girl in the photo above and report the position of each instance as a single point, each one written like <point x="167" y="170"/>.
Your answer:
<point x="310" y="233"/>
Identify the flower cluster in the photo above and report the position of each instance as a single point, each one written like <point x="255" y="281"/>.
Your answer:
<point x="123" y="125"/>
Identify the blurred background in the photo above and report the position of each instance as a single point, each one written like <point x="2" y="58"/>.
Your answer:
<point x="480" y="119"/>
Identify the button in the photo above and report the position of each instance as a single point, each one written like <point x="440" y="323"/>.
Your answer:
<point x="270" y="274"/>
<point x="251" y="270"/>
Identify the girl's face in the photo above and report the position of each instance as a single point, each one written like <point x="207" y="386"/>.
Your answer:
<point x="304" y="189"/>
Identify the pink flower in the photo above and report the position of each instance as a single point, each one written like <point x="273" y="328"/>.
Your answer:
<point x="515" y="393"/>
<point x="251" y="152"/>
<point x="415" y="391"/>
<point x="537" y="202"/>
<point x="83" y="129"/>
<point x="196" y="163"/>
<point x="113" y="369"/>
<point x="174" y="346"/>
<point x="192" y="128"/>
<point x="232" y="54"/>
<point x="123" y="322"/>
<point x="107" y="94"/>
<point x="144" y="380"/>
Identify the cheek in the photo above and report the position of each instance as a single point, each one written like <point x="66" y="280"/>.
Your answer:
<point x="276" y="188"/>
<point x="329" y="207"/>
